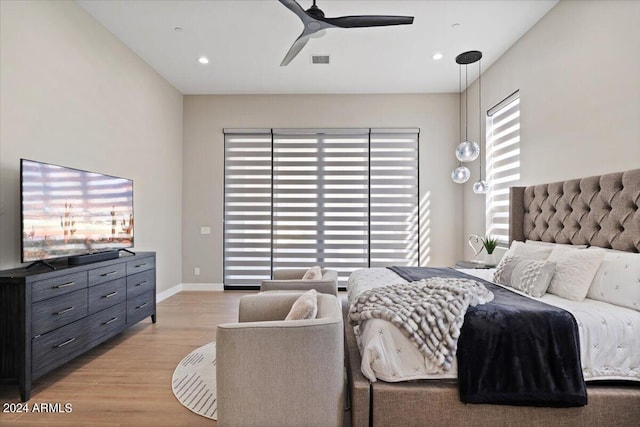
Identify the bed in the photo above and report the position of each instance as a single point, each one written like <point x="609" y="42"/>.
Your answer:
<point x="599" y="211"/>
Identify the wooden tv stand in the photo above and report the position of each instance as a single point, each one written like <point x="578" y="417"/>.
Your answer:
<point x="48" y="318"/>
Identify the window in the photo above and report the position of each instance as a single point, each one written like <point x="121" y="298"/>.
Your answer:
<point x="340" y="198"/>
<point x="503" y="163"/>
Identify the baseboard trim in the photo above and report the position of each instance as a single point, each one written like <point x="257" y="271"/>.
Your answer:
<point x="207" y="287"/>
<point x="202" y="287"/>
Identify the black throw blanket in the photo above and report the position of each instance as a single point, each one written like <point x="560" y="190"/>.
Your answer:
<point x="514" y="350"/>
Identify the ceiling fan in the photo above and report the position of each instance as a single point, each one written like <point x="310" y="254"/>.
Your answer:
<point x="314" y="22"/>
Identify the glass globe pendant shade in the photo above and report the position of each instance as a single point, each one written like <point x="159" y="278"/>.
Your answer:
<point x="467" y="151"/>
<point x="480" y="187"/>
<point x="460" y="175"/>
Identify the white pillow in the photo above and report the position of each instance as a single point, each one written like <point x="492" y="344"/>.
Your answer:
<point x="541" y="243"/>
<point x="305" y="307"/>
<point x="526" y="251"/>
<point x="575" y="269"/>
<point x="314" y="273"/>
<point x="617" y="281"/>
<point x="527" y="275"/>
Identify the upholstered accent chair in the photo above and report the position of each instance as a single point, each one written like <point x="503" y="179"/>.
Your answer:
<point x="291" y="279"/>
<point x="272" y="372"/>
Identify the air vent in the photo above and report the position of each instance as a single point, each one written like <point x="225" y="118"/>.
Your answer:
<point x="319" y="59"/>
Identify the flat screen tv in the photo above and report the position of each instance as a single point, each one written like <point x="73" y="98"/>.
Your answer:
<point x="69" y="212"/>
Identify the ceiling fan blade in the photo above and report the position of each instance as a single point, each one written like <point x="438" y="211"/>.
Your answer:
<point x="294" y="7"/>
<point x="368" y="21"/>
<point x="295" y="48"/>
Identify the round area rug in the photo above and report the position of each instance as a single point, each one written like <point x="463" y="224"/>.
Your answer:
<point x="194" y="381"/>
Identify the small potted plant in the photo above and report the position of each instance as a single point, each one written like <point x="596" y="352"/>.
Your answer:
<point x="490" y="243"/>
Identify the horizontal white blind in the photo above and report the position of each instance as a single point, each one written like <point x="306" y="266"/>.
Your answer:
<point x="340" y="198"/>
<point x="503" y="163"/>
<point x="394" y="199"/>
<point x="320" y="201"/>
<point x="247" y="208"/>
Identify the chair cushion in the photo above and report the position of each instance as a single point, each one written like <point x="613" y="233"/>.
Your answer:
<point x="305" y="307"/>
<point x="314" y="273"/>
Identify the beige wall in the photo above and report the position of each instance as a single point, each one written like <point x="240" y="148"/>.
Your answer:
<point x="206" y="116"/>
<point x="72" y="94"/>
<point x="578" y="72"/>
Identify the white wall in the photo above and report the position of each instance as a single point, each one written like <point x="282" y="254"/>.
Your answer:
<point x="72" y="94"/>
<point x="205" y="117"/>
<point x="578" y="72"/>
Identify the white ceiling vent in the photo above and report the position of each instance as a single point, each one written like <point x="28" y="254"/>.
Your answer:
<point x="319" y="59"/>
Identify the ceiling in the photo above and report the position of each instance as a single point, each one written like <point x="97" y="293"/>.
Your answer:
<point x="245" y="41"/>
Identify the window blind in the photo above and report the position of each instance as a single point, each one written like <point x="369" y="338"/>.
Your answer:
<point x="503" y="163"/>
<point x="340" y="198"/>
<point x="320" y="199"/>
<point x="394" y="198"/>
<point x="247" y="207"/>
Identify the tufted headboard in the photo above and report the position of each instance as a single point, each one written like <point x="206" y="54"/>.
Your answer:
<point x="598" y="210"/>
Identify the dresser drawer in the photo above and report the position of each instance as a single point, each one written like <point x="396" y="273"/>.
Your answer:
<point x="107" y="294"/>
<point x="106" y="274"/>
<point x="53" y="313"/>
<point x="140" y="283"/>
<point x="140" y="265"/>
<point x="44" y="289"/>
<point x="55" y="348"/>
<point x="107" y="323"/>
<point x="140" y="307"/>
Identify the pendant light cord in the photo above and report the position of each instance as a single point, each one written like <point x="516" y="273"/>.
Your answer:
<point x="480" y="113"/>
<point x="466" y="103"/>
<point x="460" y="109"/>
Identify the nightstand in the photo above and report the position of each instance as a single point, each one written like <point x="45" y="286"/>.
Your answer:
<point x="473" y="264"/>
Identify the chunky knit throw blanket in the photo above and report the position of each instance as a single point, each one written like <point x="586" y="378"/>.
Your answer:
<point x="429" y="312"/>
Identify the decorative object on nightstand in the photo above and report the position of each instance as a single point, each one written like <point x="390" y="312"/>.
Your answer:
<point x="490" y="243"/>
<point x="487" y="243"/>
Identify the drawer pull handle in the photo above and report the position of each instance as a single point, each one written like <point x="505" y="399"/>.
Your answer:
<point x="112" y="294"/>
<point x="111" y="273"/>
<point x="69" y="341"/>
<point x="142" y="306"/>
<point x="110" y="321"/>
<point x="66" y="310"/>
<point x="141" y="283"/>
<point x="64" y="285"/>
<point x="141" y="265"/>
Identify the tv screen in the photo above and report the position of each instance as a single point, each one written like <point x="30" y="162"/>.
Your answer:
<point x="68" y="212"/>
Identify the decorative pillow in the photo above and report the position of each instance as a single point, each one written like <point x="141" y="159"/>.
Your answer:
<point x="526" y="251"/>
<point x="617" y="281"/>
<point x="540" y="243"/>
<point x="529" y="276"/>
<point x="575" y="269"/>
<point x="305" y="307"/>
<point x="314" y="273"/>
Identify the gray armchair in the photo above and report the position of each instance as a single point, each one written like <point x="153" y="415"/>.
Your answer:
<point x="291" y="279"/>
<point x="272" y="372"/>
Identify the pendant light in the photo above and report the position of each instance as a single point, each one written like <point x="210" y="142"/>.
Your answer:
<point x="461" y="174"/>
<point x="480" y="186"/>
<point x="467" y="150"/>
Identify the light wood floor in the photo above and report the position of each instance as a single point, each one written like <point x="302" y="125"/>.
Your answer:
<point x="127" y="380"/>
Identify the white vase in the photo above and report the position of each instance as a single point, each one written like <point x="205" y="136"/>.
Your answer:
<point x="490" y="259"/>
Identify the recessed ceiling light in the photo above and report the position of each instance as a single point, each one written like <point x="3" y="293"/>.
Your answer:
<point x="203" y="60"/>
<point x="178" y="29"/>
<point x="455" y="25"/>
<point x="437" y="56"/>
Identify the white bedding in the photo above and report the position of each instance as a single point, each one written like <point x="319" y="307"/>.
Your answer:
<point x="609" y="336"/>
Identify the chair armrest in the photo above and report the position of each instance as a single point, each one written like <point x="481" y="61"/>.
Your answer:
<point x="320" y="285"/>
<point x="259" y="359"/>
